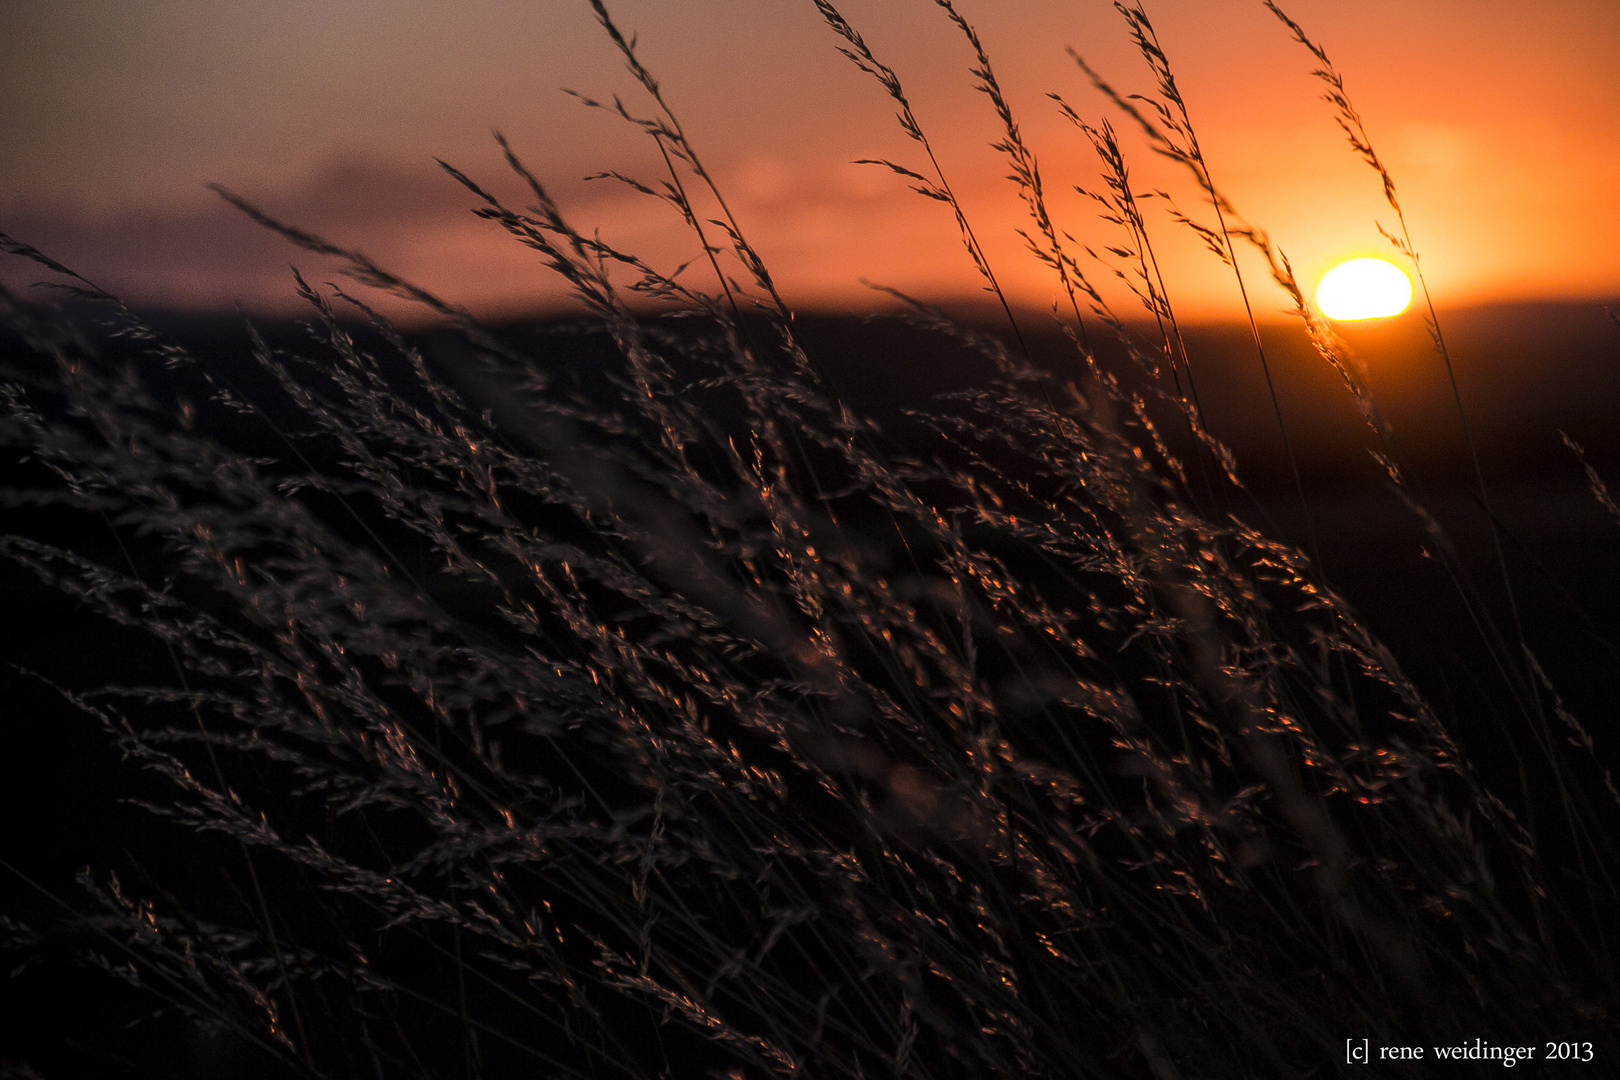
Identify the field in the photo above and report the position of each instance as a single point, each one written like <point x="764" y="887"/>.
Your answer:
<point x="701" y="687"/>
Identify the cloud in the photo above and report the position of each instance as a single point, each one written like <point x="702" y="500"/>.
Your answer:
<point x="820" y="228"/>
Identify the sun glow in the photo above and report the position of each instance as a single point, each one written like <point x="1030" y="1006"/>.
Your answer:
<point x="1364" y="289"/>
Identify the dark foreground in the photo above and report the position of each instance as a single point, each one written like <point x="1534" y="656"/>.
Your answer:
<point x="1455" y="629"/>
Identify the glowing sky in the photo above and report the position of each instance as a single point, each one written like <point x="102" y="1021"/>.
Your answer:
<point x="1500" y="120"/>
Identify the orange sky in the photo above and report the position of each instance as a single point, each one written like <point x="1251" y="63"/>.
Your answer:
<point x="1500" y="120"/>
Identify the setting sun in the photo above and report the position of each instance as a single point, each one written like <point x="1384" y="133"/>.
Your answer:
<point x="1364" y="289"/>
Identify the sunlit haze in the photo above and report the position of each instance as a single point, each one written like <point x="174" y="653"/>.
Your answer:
<point x="1364" y="289"/>
<point x="1498" y="119"/>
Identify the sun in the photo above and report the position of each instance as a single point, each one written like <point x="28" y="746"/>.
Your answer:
<point x="1364" y="289"/>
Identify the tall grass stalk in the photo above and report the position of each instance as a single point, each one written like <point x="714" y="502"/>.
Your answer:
<point x="1355" y="131"/>
<point x="936" y="187"/>
<point x="1172" y="134"/>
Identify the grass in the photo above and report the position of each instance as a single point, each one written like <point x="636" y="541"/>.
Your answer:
<point x="679" y="721"/>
